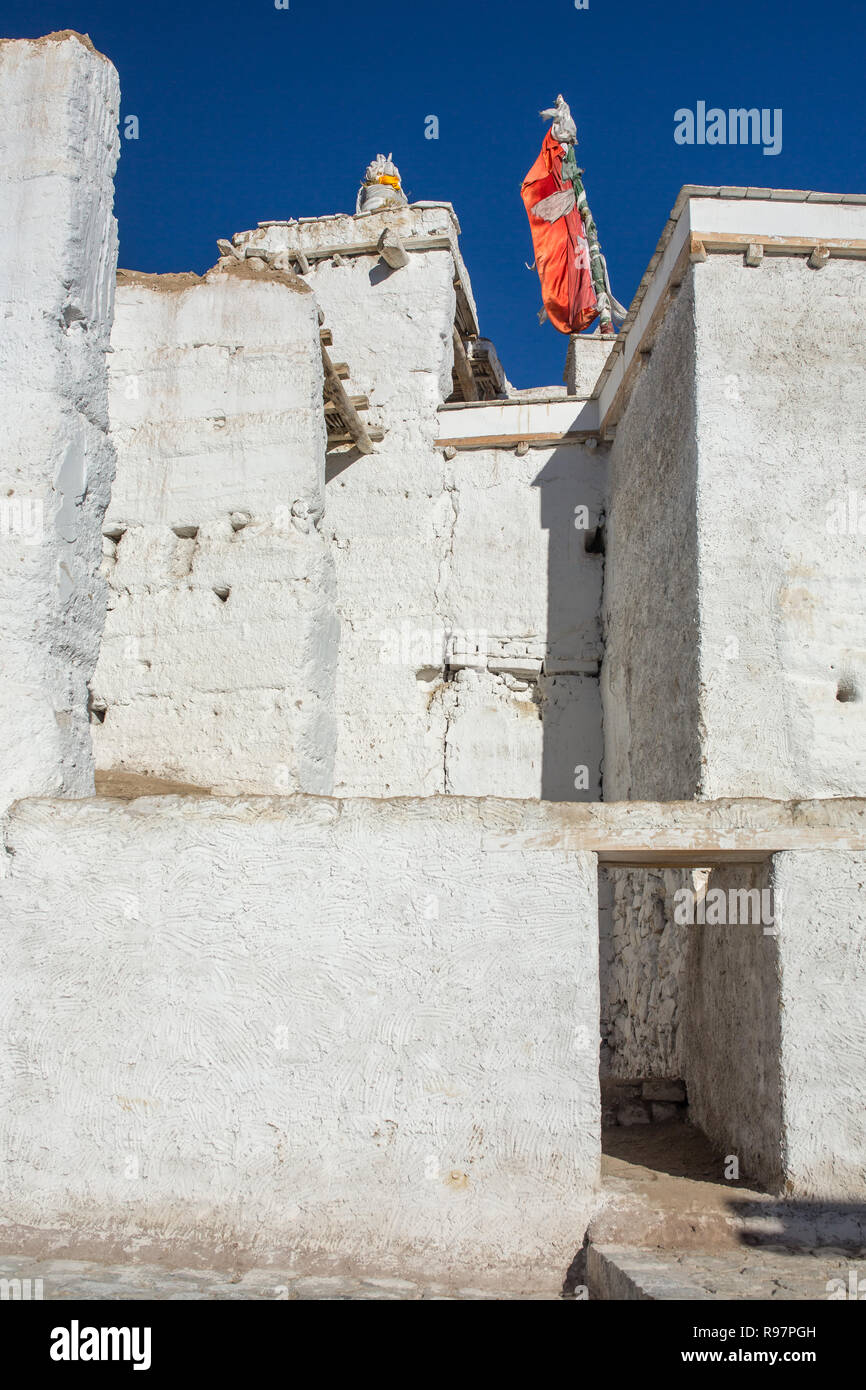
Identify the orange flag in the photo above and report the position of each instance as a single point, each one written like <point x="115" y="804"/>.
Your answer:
<point x="561" y="251"/>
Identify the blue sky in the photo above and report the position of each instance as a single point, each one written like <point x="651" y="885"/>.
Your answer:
<point x="248" y="112"/>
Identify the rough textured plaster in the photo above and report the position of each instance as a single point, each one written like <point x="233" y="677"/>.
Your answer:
<point x="650" y="673"/>
<point x="353" y="1031"/>
<point x="780" y="359"/>
<point x="820" y="901"/>
<point x="219" y="658"/>
<point x="390" y="519"/>
<point x="58" y="248"/>
<point x="774" y="1033"/>
<point x="730" y="1033"/>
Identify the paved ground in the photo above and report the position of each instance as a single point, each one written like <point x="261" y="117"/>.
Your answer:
<point x="624" y="1272"/>
<point x="78" y="1279"/>
<point x="672" y="1227"/>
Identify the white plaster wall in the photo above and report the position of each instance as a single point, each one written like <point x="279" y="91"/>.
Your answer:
<point x="585" y="358"/>
<point x="733" y="580"/>
<point x="821" y="916"/>
<point x="730" y="1043"/>
<point x="650" y="695"/>
<point x="782" y="413"/>
<point x="435" y="556"/>
<point x="774" y="1027"/>
<point x="520" y="577"/>
<point x="389" y="519"/>
<point x="58" y="248"/>
<point x="363" y="1033"/>
<point x="217" y="413"/>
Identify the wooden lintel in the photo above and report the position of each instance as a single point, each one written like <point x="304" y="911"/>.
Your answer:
<point x="508" y="441"/>
<point x="721" y="242"/>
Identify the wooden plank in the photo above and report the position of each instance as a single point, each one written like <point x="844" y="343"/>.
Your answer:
<point x="721" y="242"/>
<point x="374" y="433"/>
<point x="508" y="441"/>
<point x="463" y="368"/>
<point x="335" y="390"/>
<point x="699" y="834"/>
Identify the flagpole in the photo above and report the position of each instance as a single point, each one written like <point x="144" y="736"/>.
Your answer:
<point x="596" y="264"/>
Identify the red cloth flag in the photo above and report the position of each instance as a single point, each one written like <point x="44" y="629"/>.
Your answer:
<point x="561" y="251"/>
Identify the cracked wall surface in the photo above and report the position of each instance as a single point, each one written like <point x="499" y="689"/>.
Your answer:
<point x="390" y="519"/>
<point x="58" y="248"/>
<point x="457" y="578"/>
<point x="466" y="591"/>
<point x="218" y="663"/>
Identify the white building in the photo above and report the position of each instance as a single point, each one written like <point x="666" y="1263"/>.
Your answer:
<point x="326" y="956"/>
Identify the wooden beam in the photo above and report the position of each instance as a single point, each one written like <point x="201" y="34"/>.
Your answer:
<point x="463" y="368"/>
<point x="335" y="390"/>
<point x="721" y="242"/>
<point x="392" y="250"/>
<point x="374" y="433"/>
<point x="507" y="441"/>
<point x="685" y="833"/>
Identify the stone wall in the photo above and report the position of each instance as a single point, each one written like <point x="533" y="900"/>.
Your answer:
<point x="357" y="1034"/>
<point x="58" y="247"/>
<point x="219" y="658"/>
<point x="643" y="954"/>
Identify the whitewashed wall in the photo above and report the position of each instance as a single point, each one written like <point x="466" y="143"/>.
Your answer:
<point x="780" y="365"/>
<point x="774" y="1026"/>
<point x="650" y="673"/>
<point x="518" y="572"/>
<point x="356" y="1034"/>
<point x="735" y="660"/>
<point x="58" y="249"/>
<point x="435" y="555"/>
<point x="218" y="663"/>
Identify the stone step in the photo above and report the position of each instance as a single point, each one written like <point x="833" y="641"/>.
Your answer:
<point x="625" y="1273"/>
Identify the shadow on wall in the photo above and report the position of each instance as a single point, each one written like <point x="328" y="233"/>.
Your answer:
<point x="572" y="505"/>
